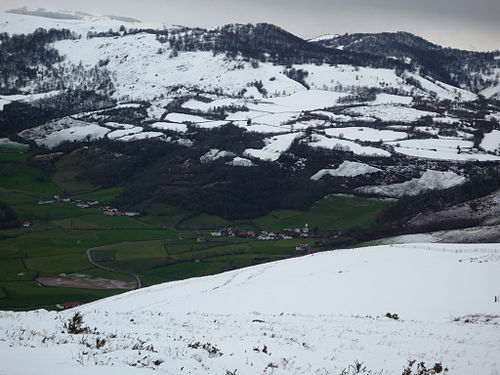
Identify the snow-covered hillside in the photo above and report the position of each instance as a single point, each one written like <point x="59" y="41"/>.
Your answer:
<point x="363" y="110"/>
<point x="318" y="314"/>
<point x="13" y="23"/>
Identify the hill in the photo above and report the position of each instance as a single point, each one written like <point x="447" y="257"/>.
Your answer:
<point x="381" y="306"/>
<point x="475" y="71"/>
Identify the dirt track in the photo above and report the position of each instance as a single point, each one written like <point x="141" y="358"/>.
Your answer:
<point x="85" y="283"/>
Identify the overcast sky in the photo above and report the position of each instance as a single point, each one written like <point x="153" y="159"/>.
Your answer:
<point x="466" y="24"/>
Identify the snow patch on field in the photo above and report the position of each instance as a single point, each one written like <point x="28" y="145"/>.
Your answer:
<point x="274" y="147"/>
<point x="215" y="154"/>
<point x="7" y="99"/>
<point x="183" y="117"/>
<point x="366" y="134"/>
<point x="390" y="113"/>
<point x="115" y="134"/>
<point x="392" y="99"/>
<point x="240" y="162"/>
<point x="343" y="145"/>
<point x="491" y="141"/>
<point x="172" y="126"/>
<point x="430" y="180"/>
<point x="441" y="149"/>
<point x="54" y="133"/>
<point x="141" y="136"/>
<point x="334" y="117"/>
<point x="205" y="107"/>
<point x="346" y="169"/>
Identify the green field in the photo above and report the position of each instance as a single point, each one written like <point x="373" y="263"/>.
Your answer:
<point x="160" y="245"/>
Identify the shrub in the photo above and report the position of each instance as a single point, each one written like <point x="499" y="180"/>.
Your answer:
<point x="421" y="369"/>
<point x="74" y="325"/>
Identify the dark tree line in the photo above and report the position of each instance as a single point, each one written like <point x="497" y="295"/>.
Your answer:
<point x="8" y="218"/>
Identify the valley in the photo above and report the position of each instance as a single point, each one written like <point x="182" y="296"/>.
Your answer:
<point x="182" y="132"/>
<point x="240" y="200"/>
<point x="160" y="248"/>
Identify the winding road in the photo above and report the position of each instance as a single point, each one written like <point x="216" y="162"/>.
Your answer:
<point x="89" y="256"/>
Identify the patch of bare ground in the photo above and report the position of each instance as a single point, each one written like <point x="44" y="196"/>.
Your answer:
<point x="86" y="283"/>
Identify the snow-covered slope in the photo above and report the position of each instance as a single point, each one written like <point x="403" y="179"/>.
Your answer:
<point x="314" y="314"/>
<point x="430" y="180"/>
<point x="14" y="23"/>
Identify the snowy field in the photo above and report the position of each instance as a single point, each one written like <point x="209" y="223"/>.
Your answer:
<point x="341" y="144"/>
<point x="491" y="141"/>
<point x="274" y="147"/>
<point x="430" y="180"/>
<point x="442" y="149"/>
<point x="309" y="315"/>
<point x="346" y="169"/>
<point x="366" y="134"/>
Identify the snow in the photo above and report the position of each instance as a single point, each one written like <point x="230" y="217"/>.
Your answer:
<point x="392" y="99"/>
<point x="324" y="37"/>
<point x="124" y="132"/>
<point x="180" y="128"/>
<point x="141" y="136"/>
<point x="430" y="180"/>
<point x="446" y="120"/>
<point x="205" y="107"/>
<point x="427" y="129"/>
<point x="440" y="149"/>
<point x="440" y="89"/>
<point x="346" y="169"/>
<point x="183" y="117"/>
<point x="313" y="314"/>
<point x="215" y="154"/>
<point x="366" y="134"/>
<point x="346" y="77"/>
<point x="343" y="145"/>
<point x="7" y="99"/>
<point x="494" y="116"/>
<point x="118" y="125"/>
<point x="211" y="124"/>
<point x="334" y="117"/>
<point x="274" y="147"/>
<point x="240" y="162"/>
<point x="54" y="133"/>
<point x="491" y="91"/>
<point x="306" y="100"/>
<point x="140" y="73"/>
<point x="491" y="141"/>
<point x="26" y="24"/>
<point x="390" y="113"/>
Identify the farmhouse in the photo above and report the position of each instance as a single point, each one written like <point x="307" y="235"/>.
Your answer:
<point x="302" y="247"/>
<point x="68" y="305"/>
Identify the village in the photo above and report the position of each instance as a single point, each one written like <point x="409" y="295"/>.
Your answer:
<point x="286" y="234"/>
<point x="226" y="232"/>
<point x="106" y="210"/>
